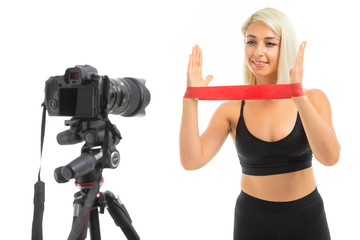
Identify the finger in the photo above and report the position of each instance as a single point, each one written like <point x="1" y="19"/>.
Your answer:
<point x="196" y="55"/>
<point x="200" y="61"/>
<point x="209" y="78"/>
<point x="302" y="47"/>
<point x="199" y="55"/>
<point x="301" y="51"/>
<point x="302" y="54"/>
<point x="298" y="64"/>
<point x="192" y="57"/>
<point x="189" y="64"/>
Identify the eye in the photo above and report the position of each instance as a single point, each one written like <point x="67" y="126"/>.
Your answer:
<point x="270" y="44"/>
<point x="250" y="42"/>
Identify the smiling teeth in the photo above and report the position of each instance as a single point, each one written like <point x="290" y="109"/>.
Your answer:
<point x="259" y="62"/>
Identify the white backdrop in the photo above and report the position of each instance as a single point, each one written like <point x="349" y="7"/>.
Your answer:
<point x="152" y="40"/>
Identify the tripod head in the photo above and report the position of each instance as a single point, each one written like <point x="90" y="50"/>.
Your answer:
<point x="97" y="153"/>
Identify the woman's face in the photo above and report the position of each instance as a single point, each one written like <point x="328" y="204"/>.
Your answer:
<point x="262" y="48"/>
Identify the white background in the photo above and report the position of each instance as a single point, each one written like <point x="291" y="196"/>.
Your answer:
<point x="152" y="40"/>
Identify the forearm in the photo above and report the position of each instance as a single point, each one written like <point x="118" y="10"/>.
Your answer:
<point x="190" y="145"/>
<point x="321" y="137"/>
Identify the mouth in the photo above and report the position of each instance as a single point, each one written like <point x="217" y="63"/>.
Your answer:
<point x="259" y="63"/>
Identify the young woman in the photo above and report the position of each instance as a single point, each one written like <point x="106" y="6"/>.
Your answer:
<point x="275" y="139"/>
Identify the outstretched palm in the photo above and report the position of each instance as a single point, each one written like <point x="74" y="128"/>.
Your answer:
<point x="296" y="73"/>
<point x="194" y="73"/>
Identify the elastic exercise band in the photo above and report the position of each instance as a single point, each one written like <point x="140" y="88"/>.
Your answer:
<point x="246" y="92"/>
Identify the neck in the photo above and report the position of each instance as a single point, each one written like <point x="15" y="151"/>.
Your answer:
<point x="265" y="80"/>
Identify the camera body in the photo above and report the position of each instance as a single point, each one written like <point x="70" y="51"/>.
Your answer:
<point x="77" y="93"/>
<point x="82" y="93"/>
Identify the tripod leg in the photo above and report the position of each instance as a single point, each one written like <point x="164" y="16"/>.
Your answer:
<point x="120" y="216"/>
<point x="78" y="202"/>
<point x="94" y="225"/>
<point x="82" y="209"/>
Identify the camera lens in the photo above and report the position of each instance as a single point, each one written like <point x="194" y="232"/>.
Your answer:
<point x="129" y="97"/>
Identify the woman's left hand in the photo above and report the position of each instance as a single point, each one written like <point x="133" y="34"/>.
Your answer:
<point x="296" y="73"/>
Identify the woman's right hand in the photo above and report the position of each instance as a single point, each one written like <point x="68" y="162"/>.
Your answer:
<point x="194" y="73"/>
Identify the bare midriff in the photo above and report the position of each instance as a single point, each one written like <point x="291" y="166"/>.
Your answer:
<point x="280" y="187"/>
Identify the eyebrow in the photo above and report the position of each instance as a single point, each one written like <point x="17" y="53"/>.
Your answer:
<point x="253" y="36"/>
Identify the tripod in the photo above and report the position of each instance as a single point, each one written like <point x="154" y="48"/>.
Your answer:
<point x="87" y="171"/>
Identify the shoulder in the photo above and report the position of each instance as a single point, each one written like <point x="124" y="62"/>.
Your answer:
<point x="321" y="103"/>
<point x="227" y="110"/>
<point x="314" y="92"/>
<point x="317" y="98"/>
<point x="229" y="107"/>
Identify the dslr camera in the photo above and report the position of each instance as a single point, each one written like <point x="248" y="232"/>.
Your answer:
<point x="82" y="93"/>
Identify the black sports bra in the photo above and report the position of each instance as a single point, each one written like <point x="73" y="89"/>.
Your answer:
<point x="258" y="157"/>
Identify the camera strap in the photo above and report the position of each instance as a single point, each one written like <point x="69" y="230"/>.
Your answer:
<point x="39" y="190"/>
<point x="246" y="92"/>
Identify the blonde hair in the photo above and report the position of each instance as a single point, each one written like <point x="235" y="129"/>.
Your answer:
<point x="282" y="26"/>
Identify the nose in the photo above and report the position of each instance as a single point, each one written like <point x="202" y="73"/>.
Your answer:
<point x="259" y="51"/>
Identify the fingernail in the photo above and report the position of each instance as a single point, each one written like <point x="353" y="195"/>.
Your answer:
<point x="302" y="47"/>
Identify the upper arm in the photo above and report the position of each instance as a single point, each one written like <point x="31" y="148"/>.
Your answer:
<point x="215" y="134"/>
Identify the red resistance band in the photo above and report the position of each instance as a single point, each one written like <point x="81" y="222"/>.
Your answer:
<point x="246" y="92"/>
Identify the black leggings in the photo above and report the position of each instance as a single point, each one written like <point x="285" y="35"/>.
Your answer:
<point x="302" y="219"/>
